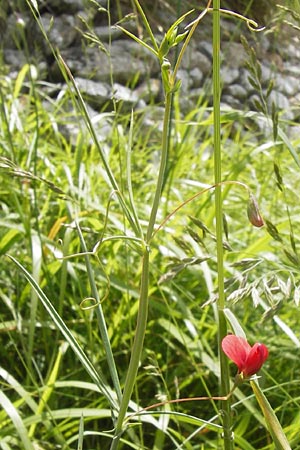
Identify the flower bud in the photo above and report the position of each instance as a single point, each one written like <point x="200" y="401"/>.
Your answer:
<point x="253" y="212"/>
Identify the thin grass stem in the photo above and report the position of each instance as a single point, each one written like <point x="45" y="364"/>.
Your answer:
<point x="222" y="326"/>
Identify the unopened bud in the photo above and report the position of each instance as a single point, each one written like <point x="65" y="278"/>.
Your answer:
<point x="253" y="212"/>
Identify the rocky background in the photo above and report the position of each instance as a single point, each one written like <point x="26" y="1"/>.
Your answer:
<point x="109" y="67"/>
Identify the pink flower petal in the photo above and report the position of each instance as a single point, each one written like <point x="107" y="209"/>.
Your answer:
<point x="237" y="349"/>
<point x="255" y="359"/>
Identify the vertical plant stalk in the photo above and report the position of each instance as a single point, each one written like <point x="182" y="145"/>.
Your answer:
<point x="136" y="350"/>
<point x="101" y="321"/>
<point x="222" y="326"/>
<point x="163" y="163"/>
<point x="143" y="301"/>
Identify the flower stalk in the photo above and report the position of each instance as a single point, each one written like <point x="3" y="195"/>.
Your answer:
<point x="222" y="325"/>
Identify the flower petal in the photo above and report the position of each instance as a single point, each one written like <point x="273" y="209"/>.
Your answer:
<point x="255" y="359"/>
<point x="237" y="349"/>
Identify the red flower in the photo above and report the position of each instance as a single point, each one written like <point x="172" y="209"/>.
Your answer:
<point x="248" y="359"/>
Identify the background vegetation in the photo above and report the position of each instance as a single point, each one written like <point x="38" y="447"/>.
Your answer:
<point x="56" y="202"/>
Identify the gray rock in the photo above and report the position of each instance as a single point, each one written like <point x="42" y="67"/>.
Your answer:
<point x="125" y="96"/>
<point x="105" y="33"/>
<point x="129" y="64"/>
<point x="14" y="58"/>
<point x="236" y="91"/>
<point x="206" y="48"/>
<point x="244" y="81"/>
<point x="294" y="133"/>
<point x="96" y="93"/>
<point x="229" y="102"/>
<point x="149" y="89"/>
<point x="288" y="85"/>
<point x="293" y="70"/>
<point x="293" y="51"/>
<point x="127" y="61"/>
<point x="153" y="119"/>
<point x="229" y="75"/>
<point x="102" y="124"/>
<point x="185" y="79"/>
<point x="196" y="77"/>
<point x="193" y="58"/>
<point x="234" y="55"/>
<point x="282" y="103"/>
<point x="61" y="30"/>
<point x="280" y="100"/>
<point x="67" y="6"/>
<point x="267" y="74"/>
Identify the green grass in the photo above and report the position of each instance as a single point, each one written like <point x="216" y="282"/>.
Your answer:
<point x="75" y="218"/>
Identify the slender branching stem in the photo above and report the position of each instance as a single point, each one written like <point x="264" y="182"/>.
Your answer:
<point x="144" y="294"/>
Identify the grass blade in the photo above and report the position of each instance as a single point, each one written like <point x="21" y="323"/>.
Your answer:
<point x="96" y="376"/>
<point x="274" y="427"/>
<point x="12" y="412"/>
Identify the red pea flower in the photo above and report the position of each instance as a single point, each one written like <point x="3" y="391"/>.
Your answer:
<point x="248" y="359"/>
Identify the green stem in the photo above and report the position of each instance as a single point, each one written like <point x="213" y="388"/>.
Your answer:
<point x="225" y="385"/>
<point x="143" y="301"/>
<point x="136" y="350"/>
<point x="162" y="168"/>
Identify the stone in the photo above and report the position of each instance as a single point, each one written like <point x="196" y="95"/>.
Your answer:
<point x="61" y="30"/>
<point x="229" y="75"/>
<point x="127" y="61"/>
<point x="234" y="55"/>
<point x="280" y="100"/>
<point x="125" y="96"/>
<point x="196" y="77"/>
<point x="193" y="58"/>
<point x="14" y="58"/>
<point x="153" y="118"/>
<point x="134" y="70"/>
<point x="149" y="90"/>
<point x="293" y="51"/>
<point x="105" y="33"/>
<point x="185" y="79"/>
<point x="64" y="6"/>
<point x="206" y="48"/>
<point x="102" y="124"/>
<point x="229" y="102"/>
<point x="282" y="104"/>
<point x="267" y="74"/>
<point x="288" y="85"/>
<point x="236" y="91"/>
<point x="94" y="92"/>
<point x="244" y="81"/>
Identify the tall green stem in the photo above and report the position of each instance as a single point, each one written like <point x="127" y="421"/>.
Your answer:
<point x="136" y="350"/>
<point x="143" y="301"/>
<point x="163" y="162"/>
<point x="225" y="386"/>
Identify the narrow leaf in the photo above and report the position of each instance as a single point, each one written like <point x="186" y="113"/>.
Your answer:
<point x="15" y="417"/>
<point x="274" y="427"/>
<point x="235" y="325"/>
<point x="96" y="376"/>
